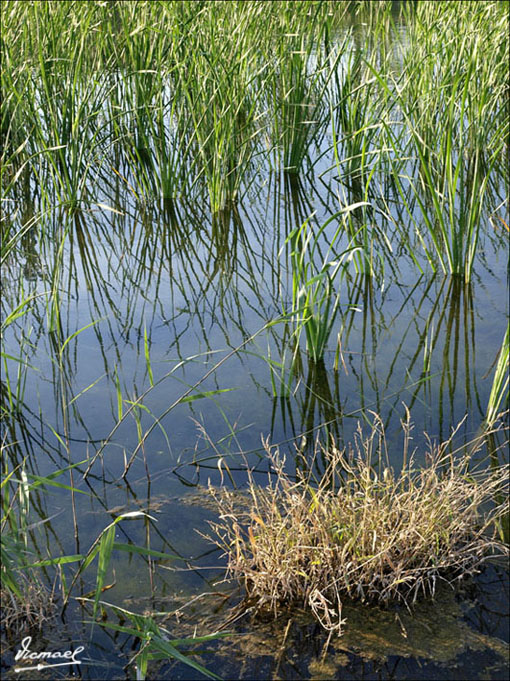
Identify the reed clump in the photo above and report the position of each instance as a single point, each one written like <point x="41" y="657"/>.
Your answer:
<point x="363" y="531"/>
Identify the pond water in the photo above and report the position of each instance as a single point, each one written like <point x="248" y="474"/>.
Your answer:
<point x="189" y="303"/>
<point x="172" y="302"/>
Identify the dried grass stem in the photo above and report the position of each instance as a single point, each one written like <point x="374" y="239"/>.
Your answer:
<point x="362" y="532"/>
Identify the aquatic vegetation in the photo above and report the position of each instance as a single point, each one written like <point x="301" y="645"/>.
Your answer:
<point x="180" y="177"/>
<point x="455" y="124"/>
<point x="499" y="396"/>
<point x="156" y="643"/>
<point x="298" y="93"/>
<point x="188" y="105"/>
<point x="363" y="530"/>
<point x="27" y="602"/>
<point x="315" y="302"/>
<point x="58" y="105"/>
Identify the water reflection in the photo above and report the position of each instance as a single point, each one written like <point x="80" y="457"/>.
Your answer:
<point x="143" y="299"/>
<point x="190" y="283"/>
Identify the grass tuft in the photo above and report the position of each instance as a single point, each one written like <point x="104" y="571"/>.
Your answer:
<point x="363" y="531"/>
<point x="29" y="611"/>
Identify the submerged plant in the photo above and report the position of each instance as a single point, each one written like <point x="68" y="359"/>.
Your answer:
<point x="363" y="531"/>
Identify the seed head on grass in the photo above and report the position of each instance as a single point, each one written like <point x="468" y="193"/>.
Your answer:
<point x="363" y="531"/>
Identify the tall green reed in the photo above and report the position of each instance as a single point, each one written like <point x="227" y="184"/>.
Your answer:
<point x="148" y="106"/>
<point x="13" y="387"/>
<point x="315" y="299"/>
<point x="499" y="395"/>
<point x="222" y="86"/>
<point x="357" y="123"/>
<point x="297" y="98"/>
<point x="63" y="107"/>
<point x="451" y="98"/>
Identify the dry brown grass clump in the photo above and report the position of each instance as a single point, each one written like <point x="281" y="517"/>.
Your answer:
<point x="362" y="531"/>
<point x="30" y="610"/>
